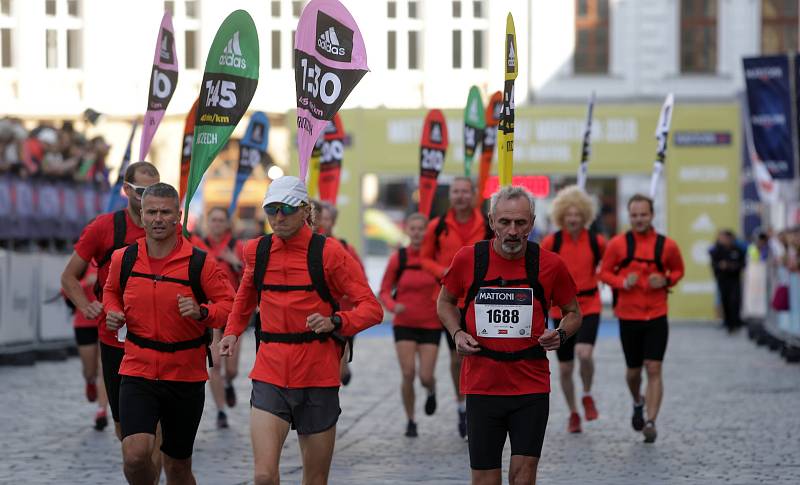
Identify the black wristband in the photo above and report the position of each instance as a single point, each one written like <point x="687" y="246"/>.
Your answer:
<point x="562" y="336"/>
<point x="203" y="313"/>
<point x="454" y="333"/>
<point x="336" y="320"/>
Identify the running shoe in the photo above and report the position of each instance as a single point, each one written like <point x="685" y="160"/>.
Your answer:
<point x="574" y="424"/>
<point x="230" y="395"/>
<point x="222" y="420"/>
<point x="637" y="421"/>
<point x="100" y="420"/>
<point x="462" y="423"/>
<point x="411" y="429"/>
<point x="430" y="404"/>
<point x="91" y="391"/>
<point x="650" y="432"/>
<point x="589" y="410"/>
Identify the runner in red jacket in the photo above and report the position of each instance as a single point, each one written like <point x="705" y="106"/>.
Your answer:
<point x="494" y="302"/>
<point x="229" y="253"/>
<point x="417" y="330"/>
<point x="167" y="294"/>
<point x="97" y="242"/>
<point x="641" y="266"/>
<point x="572" y="211"/>
<point x="462" y="225"/>
<point x="302" y="332"/>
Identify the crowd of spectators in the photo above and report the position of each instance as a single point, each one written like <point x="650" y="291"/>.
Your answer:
<point x="52" y="153"/>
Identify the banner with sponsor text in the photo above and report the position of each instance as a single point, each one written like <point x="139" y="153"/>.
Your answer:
<point x="586" y="145"/>
<point x="492" y="116"/>
<point x="186" y="150"/>
<point x="163" y="81"/>
<point x="474" y="124"/>
<point x="330" y="59"/>
<point x="251" y="152"/>
<point x="229" y="82"/>
<point x="433" y="146"/>
<point x="505" y="154"/>
<point x="769" y="98"/>
<point x="116" y="200"/>
<point x="331" y="157"/>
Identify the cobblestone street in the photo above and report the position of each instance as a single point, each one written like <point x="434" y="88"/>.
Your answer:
<point x="731" y="414"/>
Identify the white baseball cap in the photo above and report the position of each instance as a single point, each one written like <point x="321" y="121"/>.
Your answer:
<point x="288" y="190"/>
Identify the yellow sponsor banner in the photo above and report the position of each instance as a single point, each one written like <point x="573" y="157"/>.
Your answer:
<point x="505" y="131"/>
<point x="701" y="176"/>
<point x="312" y="181"/>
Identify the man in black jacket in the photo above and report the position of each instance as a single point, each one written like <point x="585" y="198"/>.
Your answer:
<point x="728" y="261"/>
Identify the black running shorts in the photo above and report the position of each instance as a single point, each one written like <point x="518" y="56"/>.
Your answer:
<point x="450" y="342"/>
<point x="643" y="340"/>
<point x="111" y="358"/>
<point x="310" y="410"/>
<point x="418" y="335"/>
<point x="587" y="334"/>
<point x="177" y="405"/>
<point x="85" y="335"/>
<point x="491" y="418"/>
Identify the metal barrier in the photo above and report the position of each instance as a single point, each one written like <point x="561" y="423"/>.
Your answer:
<point x="778" y="330"/>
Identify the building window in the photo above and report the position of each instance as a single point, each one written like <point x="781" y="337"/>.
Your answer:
<point x="412" y="10"/>
<point x="413" y="49"/>
<point x="698" y="36"/>
<point x="591" y="37"/>
<point x="779" y="21"/>
<point x="63" y="30"/>
<point x="456" y="49"/>
<point x="190" y="39"/>
<point x="51" y="48"/>
<point x="391" y="50"/>
<point x="391" y="9"/>
<point x="169" y="6"/>
<point x="6" y="24"/>
<point x="477" y="9"/>
<point x="5" y="48"/>
<point x="477" y="49"/>
<point x="456" y="9"/>
<point x="276" y="49"/>
<point x="297" y="9"/>
<point x="275" y="8"/>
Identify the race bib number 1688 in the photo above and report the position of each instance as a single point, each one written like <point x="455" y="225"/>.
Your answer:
<point x="504" y="312"/>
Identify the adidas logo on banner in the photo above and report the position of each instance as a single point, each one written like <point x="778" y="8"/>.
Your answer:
<point x="232" y="54"/>
<point x="512" y="56"/>
<point x="329" y="42"/>
<point x="165" y="50"/>
<point x="436" y="133"/>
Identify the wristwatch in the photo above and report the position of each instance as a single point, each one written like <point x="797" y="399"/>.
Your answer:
<point x="336" y="320"/>
<point x="203" y="313"/>
<point x="562" y="336"/>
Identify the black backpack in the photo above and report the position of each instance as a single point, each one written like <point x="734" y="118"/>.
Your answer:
<point x="316" y="272"/>
<point x="120" y="230"/>
<point x="480" y="268"/>
<point x="196" y="263"/>
<point x="630" y="244"/>
<point x="441" y="227"/>
<point x="231" y="243"/>
<point x="558" y="240"/>
<point x="402" y="265"/>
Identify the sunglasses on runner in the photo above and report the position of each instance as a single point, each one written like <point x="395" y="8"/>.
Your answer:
<point x="284" y="209"/>
<point x="137" y="188"/>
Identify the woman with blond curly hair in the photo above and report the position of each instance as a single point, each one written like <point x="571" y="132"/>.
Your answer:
<point x="581" y="249"/>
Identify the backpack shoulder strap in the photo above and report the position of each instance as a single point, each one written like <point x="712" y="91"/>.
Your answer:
<point x="196" y="263"/>
<point x="630" y="250"/>
<point x="317" y="271"/>
<point x="402" y="262"/>
<point x="558" y="239"/>
<point x="532" y="253"/>
<point x="480" y="266"/>
<point x="658" y="253"/>
<point x="120" y="229"/>
<point x="128" y="260"/>
<point x="344" y="243"/>
<point x="232" y="243"/>
<point x="594" y="243"/>
<point x="441" y="227"/>
<point x="262" y="261"/>
<point x="488" y="232"/>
